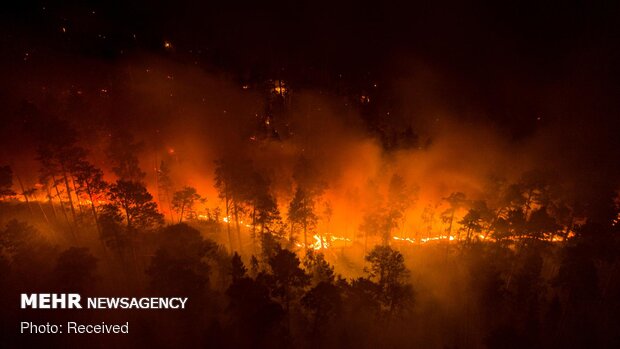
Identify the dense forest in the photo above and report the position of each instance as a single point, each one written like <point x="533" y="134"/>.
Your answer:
<point x="522" y="267"/>
<point x="313" y="174"/>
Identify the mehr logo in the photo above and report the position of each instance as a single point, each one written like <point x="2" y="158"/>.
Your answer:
<point x="51" y="301"/>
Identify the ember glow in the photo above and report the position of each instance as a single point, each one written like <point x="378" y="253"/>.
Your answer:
<point x="314" y="174"/>
<point x="322" y="242"/>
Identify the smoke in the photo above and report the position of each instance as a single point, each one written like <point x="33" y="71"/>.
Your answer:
<point x="189" y="117"/>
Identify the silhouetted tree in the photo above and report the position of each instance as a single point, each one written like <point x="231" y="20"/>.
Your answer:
<point x="362" y="300"/>
<point x="428" y="218"/>
<point x="270" y="245"/>
<point x="136" y="205"/>
<point x="27" y="253"/>
<point x="286" y="277"/>
<point x="58" y="154"/>
<point x="263" y="206"/>
<point x="374" y="223"/>
<point x="75" y="270"/>
<point x="387" y="269"/>
<point x="456" y="200"/>
<point x="400" y="197"/>
<point x="183" y="202"/>
<point x="534" y="186"/>
<point x="15" y="237"/>
<point x="114" y="234"/>
<point x="180" y="264"/>
<point x="237" y="269"/>
<point x="323" y="303"/>
<point x="478" y="218"/>
<point x="541" y="225"/>
<point x="472" y="222"/>
<point x="301" y="211"/>
<point x="386" y="215"/>
<point x="256" y="320"/>
<point x="510" y="226"/>
<point x="318" y="268"/>
<point x="232" y="185"/>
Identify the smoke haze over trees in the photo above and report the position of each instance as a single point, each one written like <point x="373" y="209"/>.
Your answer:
<point x="316" y="174"/>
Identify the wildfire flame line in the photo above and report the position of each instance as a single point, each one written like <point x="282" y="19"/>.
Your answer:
<point x="321" y="242"/>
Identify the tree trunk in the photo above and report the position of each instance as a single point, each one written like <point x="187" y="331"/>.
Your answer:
<point x="126" y="208"/>
<point x="77" y="197"/>
<point x="182" y="213"/>
<point x="49" y="199"/>
<point x="254" y="229"/>
<point x="62" y="206"/>
<point x="227" y="202"/>
<point x="92" y="207"/>
<point x="64" y="175"/>
<point x="236" y="213"/>
<point x="21" y="185"/>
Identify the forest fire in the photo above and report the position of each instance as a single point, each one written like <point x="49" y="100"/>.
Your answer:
<point x="322" y="242"/>
<point x="312" y="175"/>
<point x="425" y="240"/>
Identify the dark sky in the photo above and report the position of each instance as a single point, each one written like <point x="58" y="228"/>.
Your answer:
<point x="534" y="83"/>
<point x="508" y="62"/>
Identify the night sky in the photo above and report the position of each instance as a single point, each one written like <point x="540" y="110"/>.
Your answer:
<point x="508" y="63"/>
<point x="540" y="76"/>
